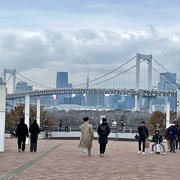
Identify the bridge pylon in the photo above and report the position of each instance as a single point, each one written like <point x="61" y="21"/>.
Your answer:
<point x="13" y="73"/>
<point x="147" y="58"/>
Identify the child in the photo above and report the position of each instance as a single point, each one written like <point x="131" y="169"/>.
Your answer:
<point x="157" y="138"/>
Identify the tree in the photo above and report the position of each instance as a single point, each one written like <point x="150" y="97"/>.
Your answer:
<point x="157" y="120"/>
<point x="12" y="118"/>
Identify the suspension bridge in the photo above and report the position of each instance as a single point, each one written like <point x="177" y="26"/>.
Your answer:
<point x="125" y="80"/>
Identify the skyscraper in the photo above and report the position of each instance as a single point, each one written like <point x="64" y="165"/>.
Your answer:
<point x="62" y="82"/>
<point x="23" y="87"/>
<point x="167" y="82"/>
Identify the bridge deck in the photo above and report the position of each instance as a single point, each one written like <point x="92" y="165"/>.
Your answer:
<point x="57" y="159"/>
<point x="125" y="92"/>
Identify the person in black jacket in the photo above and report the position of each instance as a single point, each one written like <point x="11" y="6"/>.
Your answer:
<point x="178" y="136"/>
<point x="143" y="134"/>
<point x="157" y="138"/>
<point x="103" y="132"/>
<point x="172" y="133"/>
<point x="34" y="130"/>
<point x="21" y="134"/>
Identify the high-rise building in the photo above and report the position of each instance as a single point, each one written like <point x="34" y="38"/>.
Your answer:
<point x="62" y="82"/>
<point x="23" y="87"/>
<point x="96" y="100"/>
<point x="20" y="88"/>
<point x="167" y="82"/>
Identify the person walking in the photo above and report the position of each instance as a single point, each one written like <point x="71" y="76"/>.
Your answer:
<point x="21" y="134"/>
<point x="34" y="130"/>
<point x="87" y="135"/>
<point x="167" y="138"/>
<point x="143" y="135"/>
<point x="173" y="135"/>
<point x="103" y="132"/>
<point x="178" y="137"/>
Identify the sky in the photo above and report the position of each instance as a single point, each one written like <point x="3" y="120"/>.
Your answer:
<point x="42" y="37"/>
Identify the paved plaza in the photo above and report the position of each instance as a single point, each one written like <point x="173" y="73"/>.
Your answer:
<point x="63" y="160"/>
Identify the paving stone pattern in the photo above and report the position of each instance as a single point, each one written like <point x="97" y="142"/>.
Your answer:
<point x="63" y="160"/>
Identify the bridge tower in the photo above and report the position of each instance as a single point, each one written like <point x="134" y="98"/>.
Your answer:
<point x="13" y="73"/>
<point x="147" y="58"/>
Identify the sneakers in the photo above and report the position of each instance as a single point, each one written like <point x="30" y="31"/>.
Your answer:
<point x="102" y="155"/>
<point x="19" y="150"/>
<point x="139" y="152"/>
<point x="84" y="150"/>
<point x="152" y="152"/>
<point x="164" y="153"/>
<point x="143" y="153"/>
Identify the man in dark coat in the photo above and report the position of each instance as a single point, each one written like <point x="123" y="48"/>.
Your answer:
<point x="21" y="134"/>
<point x="143" y="134"/>
<point x="173" y="135"/>
<point x="178" y="137"/>
<point x="34" y="130"/>
<point x="103" y="132"/>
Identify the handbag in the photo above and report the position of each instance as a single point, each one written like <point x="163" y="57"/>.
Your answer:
<point x="147" y="144"/>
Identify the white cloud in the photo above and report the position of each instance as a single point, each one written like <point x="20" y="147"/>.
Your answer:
<point x="39" y="55"/>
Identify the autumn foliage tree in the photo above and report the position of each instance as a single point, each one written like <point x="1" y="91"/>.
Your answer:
<point x="12" y="118"/>
<point x="157" y="120"/>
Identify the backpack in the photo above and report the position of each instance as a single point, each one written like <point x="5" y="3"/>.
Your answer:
<point x="103" y="130"/>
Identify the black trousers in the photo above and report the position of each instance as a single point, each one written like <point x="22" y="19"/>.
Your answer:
<point x="102" y="148"/>
<point x="177" y="142"/>
<point x="142" y="141"/>
<point x="172" y="145"/>
<point x="33" y="146"/>
<point x="21" y="143"/>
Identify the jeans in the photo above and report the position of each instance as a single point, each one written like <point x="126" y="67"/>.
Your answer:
<point x="21" y="143"/>
<point x="142" y="141"/>
<point x="172" y="145"/>
<point x="162" y="145"/>
<point x="102" y="148"/>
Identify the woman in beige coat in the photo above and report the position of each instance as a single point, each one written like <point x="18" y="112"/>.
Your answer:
<point x="87" y="136"/>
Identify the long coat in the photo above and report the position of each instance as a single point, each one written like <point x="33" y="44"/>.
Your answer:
<point x="87" y="135"/>
<point x="34" y="130"/>
<point x="103" y="132"/>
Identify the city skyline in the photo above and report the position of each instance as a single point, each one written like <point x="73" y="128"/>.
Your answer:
<point x="76" y="36"/>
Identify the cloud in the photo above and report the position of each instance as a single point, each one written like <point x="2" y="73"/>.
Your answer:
<point x="39" y="55"/>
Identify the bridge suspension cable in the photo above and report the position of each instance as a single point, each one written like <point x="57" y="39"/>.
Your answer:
<point x="116" y="75"/>
<point x="163" y="77"/>
<point x="165" y="70"/>
<point x="34" y="83"/>
<point x="42" y="87"/>
<point x="102" y="76"/>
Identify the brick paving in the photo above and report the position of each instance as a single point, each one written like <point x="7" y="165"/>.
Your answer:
<point x="63" y="160"/>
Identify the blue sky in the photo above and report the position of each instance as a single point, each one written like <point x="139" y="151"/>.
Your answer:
<point x="51" y="34"/>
